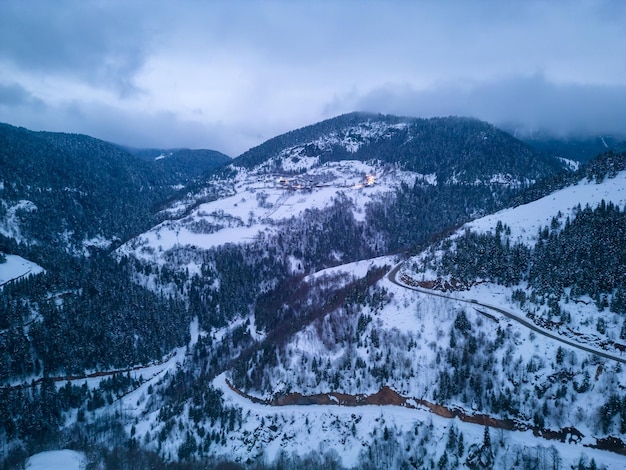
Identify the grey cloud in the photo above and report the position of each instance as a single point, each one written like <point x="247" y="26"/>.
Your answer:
<point x="527" y="102"/>
<point x="100" y="42"/>
<point x="272" y="64"/>
<point x="12" y="95"/>
<point x="140" y="129"/>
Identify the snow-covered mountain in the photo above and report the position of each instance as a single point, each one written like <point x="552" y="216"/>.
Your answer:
<point x="456" y="149"/>
<point x="255" y="203"/>
<point x="375" y="367"/>
<point x="366" y="159"/>
<point x="470" y="347"/>
<point x="270" y="319"/>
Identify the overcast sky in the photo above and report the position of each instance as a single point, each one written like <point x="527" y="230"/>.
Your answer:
<point x="228" y="75"/>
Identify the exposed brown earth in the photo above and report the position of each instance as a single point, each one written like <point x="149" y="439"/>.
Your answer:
<point x="442" y="285"/>
<point x="613" y="444"/>
<point x="386" y="396"/>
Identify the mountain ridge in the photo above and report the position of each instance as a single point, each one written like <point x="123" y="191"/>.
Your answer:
<point x="422" y="145"/>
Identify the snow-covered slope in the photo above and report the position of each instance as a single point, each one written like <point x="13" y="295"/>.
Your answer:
<point x="16" y="267"/>
<point x="356" y="436"/>
<point x="467" y="351"/>
<point x="255" y="201"/>
<point x="472" y="363"/>
<point x="584" y="318"/>
<point x="57" y="460"/>
<point x="527" y="220"/>
<point x="346" y="140"/>
<point x="358" y="157"/>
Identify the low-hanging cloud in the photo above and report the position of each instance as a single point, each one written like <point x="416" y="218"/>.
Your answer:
<point x="228" y="75"/>
<point x="529" y="102"/>
<point x="14" y="95"/>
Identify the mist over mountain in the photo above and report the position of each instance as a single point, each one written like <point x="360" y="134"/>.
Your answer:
<point x="580" y="148"/>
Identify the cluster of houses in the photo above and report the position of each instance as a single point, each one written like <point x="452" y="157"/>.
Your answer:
<point x="309" y="182"/>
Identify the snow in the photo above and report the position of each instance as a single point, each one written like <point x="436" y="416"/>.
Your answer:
<point x="430" y="178"/>
<point x="57" y="460"/>
<point x="487" y="297"/>
<point x="502" y="178"/>
<point x="525" y="221"/>
<point x="427" y="319"/>
<point x="351" y="139"/>
<point x="97" y="242"/>
<point x="323" y="427"/>
<point x="352" y="271"/>
<point x="153" y="373"/>
<point x="320" y="434"/>
<point x="573" y="165"/>
<point x="16" y="267"/>
<point x="10" y="225"/>
<point x="254" y="201"/>
<point x="297" y="163"/>
<point x="168" y="236"/>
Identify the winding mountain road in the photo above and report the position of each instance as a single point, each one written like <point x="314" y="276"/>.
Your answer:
<point x="392" y="276"/>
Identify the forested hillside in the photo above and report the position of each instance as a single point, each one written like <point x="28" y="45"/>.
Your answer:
<point x="65" y="200"/>
<point x="266" y="285"/>
<point x="68" y="191"/>
<point x="577" y="148"/>
<point x="456" y="149"/>
<point x="303" y="198"/>
<point x="582" y="251"/>
<point x="182" y="165"/>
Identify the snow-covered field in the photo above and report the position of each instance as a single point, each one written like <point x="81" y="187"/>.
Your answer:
<point x="16" y="267"/>
<point x="352" y="271"/>
<point x="57" y="460"/>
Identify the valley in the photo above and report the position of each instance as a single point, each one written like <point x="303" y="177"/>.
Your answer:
<point x="366" y="292"/>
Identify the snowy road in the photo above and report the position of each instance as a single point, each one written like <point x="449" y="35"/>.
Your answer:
<point x="392" y="276"/>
